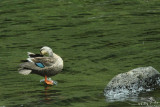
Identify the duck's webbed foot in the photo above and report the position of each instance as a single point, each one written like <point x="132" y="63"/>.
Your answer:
<point x="49" y="82"/>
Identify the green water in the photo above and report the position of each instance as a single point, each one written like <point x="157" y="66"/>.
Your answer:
<point x="97" y="40"/>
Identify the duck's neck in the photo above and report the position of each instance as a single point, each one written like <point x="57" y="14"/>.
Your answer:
<point x="55" y="56"/>
<point x="50" y="54"/>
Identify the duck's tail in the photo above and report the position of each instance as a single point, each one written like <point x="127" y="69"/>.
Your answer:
<point x="25" y="71"/>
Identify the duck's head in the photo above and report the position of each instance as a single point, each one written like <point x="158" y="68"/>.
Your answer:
<point x="46" y="51"/>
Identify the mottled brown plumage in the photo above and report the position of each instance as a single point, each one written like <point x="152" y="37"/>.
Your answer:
<point x="52" y="62"/>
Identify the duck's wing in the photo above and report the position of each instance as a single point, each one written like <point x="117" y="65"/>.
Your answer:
<point x="24" y="67"/>
<point x="46" y="61"/>
<point x="47" y="70"/>
<point x="31" y="55"/>
<point x="42" y="65"/>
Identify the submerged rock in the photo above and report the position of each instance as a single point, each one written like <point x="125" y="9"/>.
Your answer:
<point x="131" y="83"/>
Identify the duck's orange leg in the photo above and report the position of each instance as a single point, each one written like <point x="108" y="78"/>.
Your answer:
<point x="48" y="82"/>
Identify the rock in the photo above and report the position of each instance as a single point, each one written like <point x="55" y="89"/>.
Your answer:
<point x="138" y="80"/>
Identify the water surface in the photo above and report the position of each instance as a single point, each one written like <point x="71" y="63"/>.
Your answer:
<point x="97" y="40"/>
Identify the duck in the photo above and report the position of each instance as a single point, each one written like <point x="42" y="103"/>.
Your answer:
<point x="45" y="64"/>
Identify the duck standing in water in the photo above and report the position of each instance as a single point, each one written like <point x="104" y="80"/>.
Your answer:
<point x="45" y="64"/>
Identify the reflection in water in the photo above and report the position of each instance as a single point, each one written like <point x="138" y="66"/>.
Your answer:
<point x="144" y="99"/>
<point x="49" y="95"/>
<point x="48" y="92"/>
<point x="143" y="102"/>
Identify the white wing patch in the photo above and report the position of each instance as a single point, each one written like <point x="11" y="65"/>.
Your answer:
<point x="30" y="59"/>
<point x="29" y="53"/>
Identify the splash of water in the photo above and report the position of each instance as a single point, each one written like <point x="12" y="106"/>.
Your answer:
<point x="54" y="82"/>
<point x="131" y="92"/>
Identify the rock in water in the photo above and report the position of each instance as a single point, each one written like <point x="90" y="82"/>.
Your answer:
<point x="131" y="83"/>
